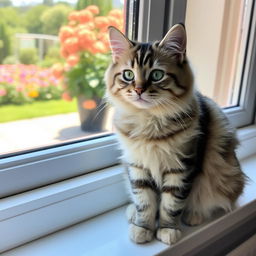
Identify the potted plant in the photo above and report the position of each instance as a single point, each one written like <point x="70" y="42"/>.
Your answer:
<point x="85" y="48"/>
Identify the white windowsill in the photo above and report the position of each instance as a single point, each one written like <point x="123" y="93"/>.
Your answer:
<point x="107" y="234"/>
<point x="72" y="201"/>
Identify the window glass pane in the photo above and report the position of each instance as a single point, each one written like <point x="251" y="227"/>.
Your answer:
<point x="53" y="55"/>
<point x="217" y="37"/>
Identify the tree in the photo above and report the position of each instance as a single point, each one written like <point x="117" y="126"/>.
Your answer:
<point x="53" y="18"/>
<point x="5" y="3"/>
<point x="4" y="42"/>
<point x="32" y="18"/>
<point x="11" y="17"/>
<point x="104" y="5"/>
<point x="48" y="2"/>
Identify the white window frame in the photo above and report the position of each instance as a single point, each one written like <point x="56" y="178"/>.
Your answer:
<point x="156" y="17"/>
<point x="60" y="186"/>
<point x="32" y="170"/>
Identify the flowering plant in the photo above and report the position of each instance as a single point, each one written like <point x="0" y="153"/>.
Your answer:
<point x="26" y="83"/>
<point x="85" y="47"/>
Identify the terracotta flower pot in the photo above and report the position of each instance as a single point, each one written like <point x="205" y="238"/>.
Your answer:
<point x="94" y="119"/>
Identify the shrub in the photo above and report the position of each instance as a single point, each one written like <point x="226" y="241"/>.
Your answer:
<point x="10" y="60"/>
<point x="28" y="56"/>
<point x="52" y="56"/>
<point x="53" y="52"/>
<point x="4" y="42"/>
<point x="105" y="5"/>
<point x="32" y="18"/>
<point x="53" y="18"/>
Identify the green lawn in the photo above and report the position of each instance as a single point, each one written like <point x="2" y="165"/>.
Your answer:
<point x="41" y="108"/>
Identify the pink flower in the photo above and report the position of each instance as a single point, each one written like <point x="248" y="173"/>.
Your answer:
<point x="3" y="92"/>
<point x="19" y="88"/>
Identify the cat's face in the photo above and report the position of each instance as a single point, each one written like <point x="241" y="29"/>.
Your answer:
<point x="148" y="76"/>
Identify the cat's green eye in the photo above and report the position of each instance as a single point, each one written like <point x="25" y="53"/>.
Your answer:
<point x="128" y="75"/>
<point x="156" y="75"/>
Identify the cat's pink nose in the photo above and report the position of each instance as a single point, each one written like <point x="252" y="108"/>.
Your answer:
<point x="138" y="90"/>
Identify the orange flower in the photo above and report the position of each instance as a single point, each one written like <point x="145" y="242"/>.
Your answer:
<point x="72" y="60"/>
<point x="99" y="47"/>
<point x="72" y="23"/>
<point x="85" y="16"/>
<point x="113" y="21"/>
<point x="66" y="67"/>
<point x="116" y="13"/>
<point x="33" y="94"/>
<point x="71" y="45"/>
<point x="63" y="52"/>
<point x="93" y="9"/>
<point x="65" y="32"/>
<point x="101" y="22"/>
<point x="57" y="70"/>
<point x="90" y="25"/>
<point x="74" y="16"/>
<point x="103" y="37"/>
<point x="86" y="38"/>
<point x="89" y="104"/>
<point x="66" y="96"/>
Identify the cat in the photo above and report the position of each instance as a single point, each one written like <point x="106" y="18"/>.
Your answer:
<point x="178" y="146"/>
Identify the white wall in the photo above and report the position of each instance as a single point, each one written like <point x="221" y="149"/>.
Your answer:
<point x="204" y="19"/>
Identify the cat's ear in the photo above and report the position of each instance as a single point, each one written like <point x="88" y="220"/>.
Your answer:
<point x="176" y="41"/>
<point x="119" y="43"/>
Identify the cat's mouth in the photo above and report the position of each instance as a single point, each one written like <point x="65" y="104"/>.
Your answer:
<point x="142" y="100"/>
<point x="142" y="103"/>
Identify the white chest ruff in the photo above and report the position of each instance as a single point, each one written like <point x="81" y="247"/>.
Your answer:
<point x="156" y="156"/>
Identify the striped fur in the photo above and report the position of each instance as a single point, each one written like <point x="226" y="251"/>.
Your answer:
<point x="178" y="145"/>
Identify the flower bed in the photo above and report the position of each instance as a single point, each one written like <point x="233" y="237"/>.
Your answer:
<point x="20" y="84"/>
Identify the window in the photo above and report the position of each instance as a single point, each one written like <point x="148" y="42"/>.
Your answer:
<point x="221" y="48"/>
<point x="51" y="71"/>
<point x="62" y="167"/>
<point x="219" y="45"/>
<point x="148" y="20"/>
<point x="52" y="142"/>
<point x="221" y="51"/>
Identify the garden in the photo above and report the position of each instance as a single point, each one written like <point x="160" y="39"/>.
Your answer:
<point x="72" y="68"/>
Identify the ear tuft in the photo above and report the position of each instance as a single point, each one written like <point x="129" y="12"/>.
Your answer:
<point x="119" y="43"/>
<point x="175" y="41"/>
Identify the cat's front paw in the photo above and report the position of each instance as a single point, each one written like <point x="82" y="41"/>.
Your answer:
<point x="140" y="235"/>
<point x="168" y="235"/>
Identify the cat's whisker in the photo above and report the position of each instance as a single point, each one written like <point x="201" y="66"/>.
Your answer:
<point x="100" y="108"/>
<point x="171" y="140"/>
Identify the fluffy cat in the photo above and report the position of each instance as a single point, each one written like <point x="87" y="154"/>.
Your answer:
<point x="177" y="144"/>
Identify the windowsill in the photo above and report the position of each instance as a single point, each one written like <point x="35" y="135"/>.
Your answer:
<point x="107" y="234"/>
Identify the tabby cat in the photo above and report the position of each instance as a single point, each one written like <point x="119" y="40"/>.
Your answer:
<point x="178" y="145"/>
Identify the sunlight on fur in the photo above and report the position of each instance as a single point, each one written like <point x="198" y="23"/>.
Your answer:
<point x="178" y="146"/>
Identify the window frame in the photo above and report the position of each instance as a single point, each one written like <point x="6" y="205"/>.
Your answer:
<point x="153" y="26"/>
<point x="71" y="188"/>
<point x="40" y="168"/>
<point x="31" y="170"/>
<point x="243" y="114"/>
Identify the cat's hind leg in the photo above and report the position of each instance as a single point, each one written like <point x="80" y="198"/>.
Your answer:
<point x="217" y="187"/>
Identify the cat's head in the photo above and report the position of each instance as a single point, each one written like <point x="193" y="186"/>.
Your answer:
<point x="149" y="76"/>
